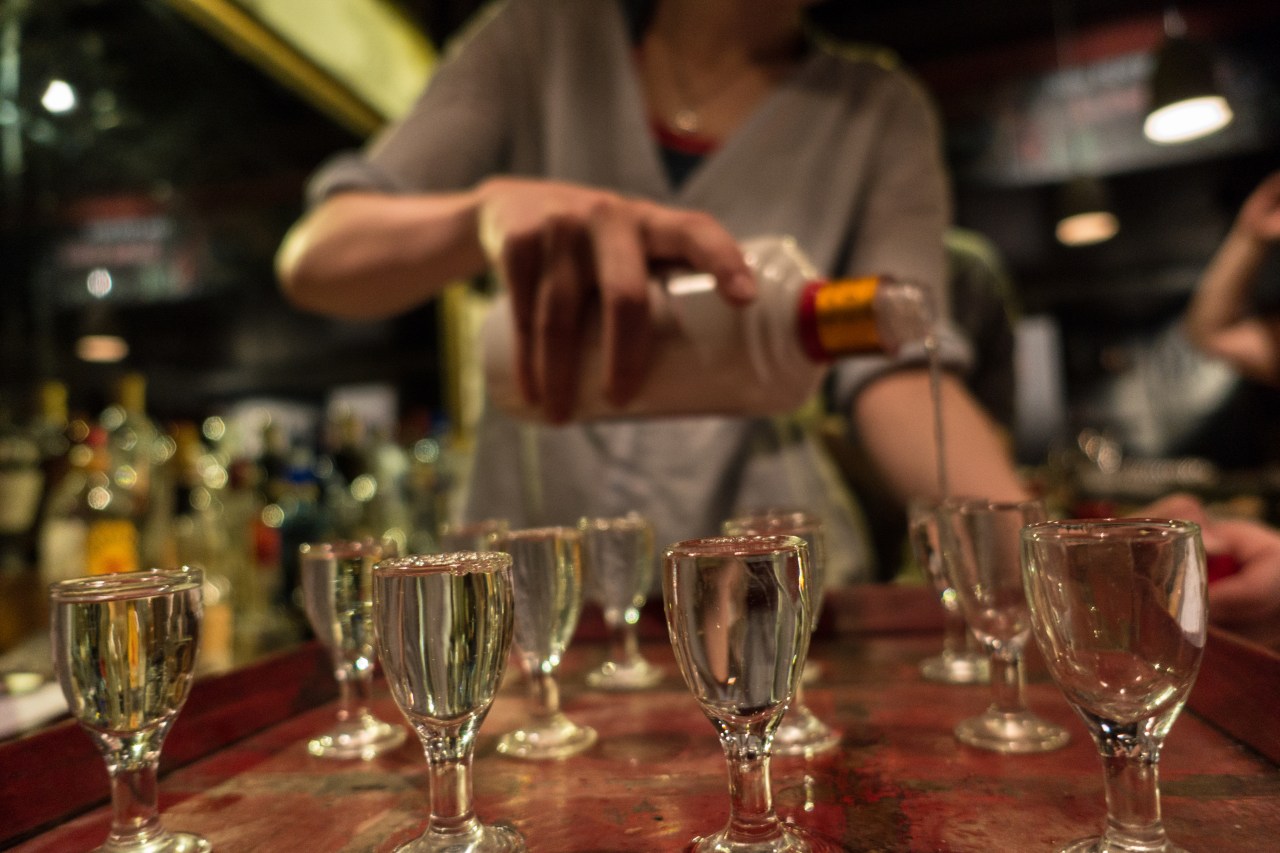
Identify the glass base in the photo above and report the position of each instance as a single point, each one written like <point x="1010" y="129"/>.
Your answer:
<point x="364" y="739"/>
<point x="1011" y="733"/>
<point x="557" y="737"/>
<point x="952" y="668"/>
<point x="1096" y="844"/>
<point x="485" y="839"/>
<point x="635" y="674"/>
<point x="164" y="842"/>
<point x="788" y="839"/>
<point x="801" y="733"/>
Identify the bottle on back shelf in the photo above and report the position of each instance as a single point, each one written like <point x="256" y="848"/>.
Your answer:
<point x="139" y="454"/>
<point x="21" y="486"/>
<point x="710" y="357"/>
<point x="91" y="525"/>
<point x="198" y="538"/>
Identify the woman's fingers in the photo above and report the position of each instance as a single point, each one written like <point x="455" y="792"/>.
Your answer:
<point x="565" y="252"/>
<point x="622" y="275"/>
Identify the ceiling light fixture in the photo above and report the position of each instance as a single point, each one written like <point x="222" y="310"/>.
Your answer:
<point x="1084" y="211"/>
<point x="1086" y="216"/>
<point x="1186" y="102"/>
<point x="102" y="349"/>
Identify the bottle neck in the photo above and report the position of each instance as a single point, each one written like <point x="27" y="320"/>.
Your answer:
<point x="838" y="318"/>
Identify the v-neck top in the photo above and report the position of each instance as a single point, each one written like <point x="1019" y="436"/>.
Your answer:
<point x="844" y="155"/>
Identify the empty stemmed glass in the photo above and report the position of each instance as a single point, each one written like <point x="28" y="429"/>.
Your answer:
<point x="444" y="625"/>
<point x="546" y="573"/>
<point x="957" y="663"/>
<point x="981" y="554"/>
<point x="618" y="568"/>
<point x="1118" y="608"/>
<point x="800" y="732"/>
<point x="736" y="610"/>
<point x="337" y="591"/>
<point x="124" y="649"/>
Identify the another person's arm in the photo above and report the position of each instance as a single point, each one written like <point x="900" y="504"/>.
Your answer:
<point x="1247" y="601"/>
<point x="1219" y="320"/>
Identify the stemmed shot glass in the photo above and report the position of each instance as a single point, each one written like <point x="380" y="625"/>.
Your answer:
<point x="444" y="625"/>
<point x="737" y="612"/>
<point x="801" y="732"/>
<point x="546" y="573"/>
<point x="1118" y="608"/>
<point x="981" y="553"/>
<point x="337" y="590"/>
<point x="618" y="568"/>
<point x="958" y="662"/>
<point x="124" y="649"/>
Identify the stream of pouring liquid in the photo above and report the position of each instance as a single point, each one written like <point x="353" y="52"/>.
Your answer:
<point x="935" y="388"/>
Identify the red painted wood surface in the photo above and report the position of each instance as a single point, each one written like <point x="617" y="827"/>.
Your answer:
<point x="898" y="782"/>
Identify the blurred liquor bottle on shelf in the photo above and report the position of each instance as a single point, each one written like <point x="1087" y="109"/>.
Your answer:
<point x="139" y="453"/>
<point x="427" y="493"/>
<point x="198" y="537"/>
<point x="91" y="525"/>
<point x="364" y="477"/>
<point x="21" y="487"/>
<point x="300" y="517"/>
<point x="50" y="426"/>
<point x="768" y="357"/>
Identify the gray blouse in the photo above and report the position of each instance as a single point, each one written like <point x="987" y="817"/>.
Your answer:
<point x="844" y="155"/>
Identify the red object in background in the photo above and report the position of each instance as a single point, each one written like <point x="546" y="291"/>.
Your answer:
<point x="1219" y="566"/>
<point x="1095" y="508"/>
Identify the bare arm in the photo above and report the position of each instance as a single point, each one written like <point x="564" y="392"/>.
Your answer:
<point x="894" y="416"/>
<point x="562" y="251"/>
<point x="368" y="255"/>
<point x="1218" y="319"/>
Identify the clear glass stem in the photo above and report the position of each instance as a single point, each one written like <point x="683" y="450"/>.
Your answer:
<point x="1133" y="797"/>
<point x="624" y="645"/>
<point x="955" y="634"/>
<point x="135" y="812"/>
<point x="1007" y="680"/>
<point x="751" y="814"/>
<point x="449" y="761"/>
<point x="544" y="693"/>
<point x="355" y="692"/>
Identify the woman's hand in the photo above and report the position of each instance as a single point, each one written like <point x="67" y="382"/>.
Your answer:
<point x="1246" y="601"/>
<point x="565" y="251"/>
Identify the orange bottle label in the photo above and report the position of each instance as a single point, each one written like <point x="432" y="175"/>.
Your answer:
<point x="845" y="317"/>
<point x="110" y="547"/>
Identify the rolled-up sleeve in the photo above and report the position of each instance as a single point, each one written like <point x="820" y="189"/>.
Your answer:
<point x="459" y="128"/>
<point x="904" y="215"/>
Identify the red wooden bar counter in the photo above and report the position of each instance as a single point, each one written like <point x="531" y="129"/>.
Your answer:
<point x="236" y="768"/>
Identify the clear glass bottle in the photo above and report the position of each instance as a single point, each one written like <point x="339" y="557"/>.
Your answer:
<point x="140" y="453"/>
<point x="710" y="357"/>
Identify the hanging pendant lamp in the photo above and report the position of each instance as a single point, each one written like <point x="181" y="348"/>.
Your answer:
<point x="1186" y="102"/>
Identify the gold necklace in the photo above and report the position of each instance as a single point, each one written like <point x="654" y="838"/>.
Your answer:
<point x="687" y="118"/>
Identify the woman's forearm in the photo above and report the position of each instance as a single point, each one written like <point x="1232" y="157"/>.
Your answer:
<point x="369" y="255"/>
<point x="894" y="417"/>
